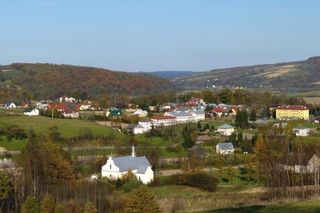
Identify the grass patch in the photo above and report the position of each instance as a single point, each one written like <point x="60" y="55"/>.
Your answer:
<point x="67" y="127"/>
<point x="12" y="145"/>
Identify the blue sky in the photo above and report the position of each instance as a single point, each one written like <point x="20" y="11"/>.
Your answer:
<point x="148" y="35"/>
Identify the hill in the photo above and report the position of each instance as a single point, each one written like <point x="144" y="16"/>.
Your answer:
<point x="299" y="76"/>
<point x="52" y="81"/>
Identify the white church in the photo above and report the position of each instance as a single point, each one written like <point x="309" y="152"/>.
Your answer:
<point x="116" y="167"/>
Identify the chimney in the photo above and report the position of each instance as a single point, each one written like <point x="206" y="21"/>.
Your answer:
<point x="133" y="153"/>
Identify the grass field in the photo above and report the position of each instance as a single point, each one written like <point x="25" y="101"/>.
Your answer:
<point x="286" y="207"/>
<point x="12" y="145"/>
<point x="193" y="199"/>
<point x="67" y="127"/>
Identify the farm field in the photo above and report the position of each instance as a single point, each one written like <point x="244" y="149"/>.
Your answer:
<point x="67" y="127"/>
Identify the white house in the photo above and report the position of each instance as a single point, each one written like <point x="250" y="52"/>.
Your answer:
<point x="67" y="99"/>
<point x="225" y="148"/>
<point x="135" y="129"/>
<point x="10" y="105"/>
<point x="146" y="124"/>
<point x="71" y="114"/>
<point x="116" y="167"/>
<point x="301" y="131"/>
<point x="140" y="113"/>
<point x="181" y="116"/>
<point x="32" y="112"/>
<point x="225" y="129"/>
<point x="187" y="115"/>
<point x="199" y="115"/>
<point x="162" y="120"/>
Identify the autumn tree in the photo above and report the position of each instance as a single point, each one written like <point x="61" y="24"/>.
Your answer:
<point x="6" y="189"/>
<point x="48" y="204"/>
<point x="142" y="201"/>
<point x="89" y="207"/>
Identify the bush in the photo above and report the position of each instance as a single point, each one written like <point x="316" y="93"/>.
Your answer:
<point x="198" y="179"/>
<point x="130" y="185"/>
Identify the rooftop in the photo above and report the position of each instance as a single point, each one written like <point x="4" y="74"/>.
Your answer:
<point x="292" y="107"/>
<point x="126" y="163"/>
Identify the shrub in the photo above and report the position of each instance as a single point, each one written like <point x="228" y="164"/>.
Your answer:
<point x="130" y="185"/>
<point x="198" y="179"/>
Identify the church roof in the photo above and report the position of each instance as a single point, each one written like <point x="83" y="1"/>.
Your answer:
<point x="126" y="163"/>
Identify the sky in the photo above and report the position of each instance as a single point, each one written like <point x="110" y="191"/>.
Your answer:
<point x="154" y="35"/>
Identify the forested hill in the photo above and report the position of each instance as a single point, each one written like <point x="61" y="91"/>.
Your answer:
<point x="51" y="81"/>
<point x="295" y="76"/>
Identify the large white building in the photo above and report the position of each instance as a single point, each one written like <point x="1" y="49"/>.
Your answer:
<point x="225" y="129"/>
<point x="116" y="167"/>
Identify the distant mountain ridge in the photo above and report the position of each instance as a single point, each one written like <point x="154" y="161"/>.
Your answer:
<point x="298" y="76"/>
<point x="52" y="80"/>
<point x="173" y="74"/>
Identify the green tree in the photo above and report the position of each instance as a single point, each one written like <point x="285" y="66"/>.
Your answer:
<point x="225" y="96"/>
<point x="31" y="205"/>
<point x="54" y="134"/>
<point x="242" y="119"/>
<point x="253" y="115"/>
<point x="187" y="133"/>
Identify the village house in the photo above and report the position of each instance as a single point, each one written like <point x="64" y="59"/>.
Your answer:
<point x="195" y="102"/>
<point x="146" y="124"/>
<point x="70" y="113"/>
<point x="60" y="107"/>
<point x="116" y="167"/>
<point x="196" y="152"/>
<point x="201" y="139"/>
<point x="6" y="164"/>
<point x="292" y="112"/>
<point x="225" y="130"/>
<point x="300" y="163"/>
<point x="135" y="129"/>
<point x="114" y="112"/>
<point x="140" y="113"/>
<point x="66" y="99"/>
<point x="162" y="120"/>
<point x="220" y="111"/>
<point x="225" y="148"/>
<point x="9" y="105"/>
<point x="32" y="112"/>
<point x="187" y="115"/>
<point x="301" y="131"/>
<point x="84" y="106"/>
